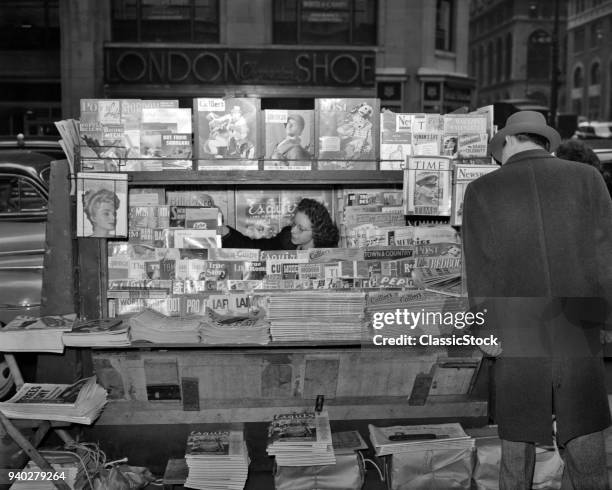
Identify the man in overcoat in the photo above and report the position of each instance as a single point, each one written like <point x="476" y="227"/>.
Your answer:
<point x="537" y="236"/>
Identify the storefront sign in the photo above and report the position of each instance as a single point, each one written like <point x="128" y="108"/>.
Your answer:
<point x="152" y="65"/>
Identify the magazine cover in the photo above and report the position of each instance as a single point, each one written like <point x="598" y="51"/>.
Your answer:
<point x="464" y="174"/>
<point x="289" y="139"/>
<point x="395" y="139"/>
<point x="347" y="133"/>
<point x="208" y="443"/>
<point x="427" y="130"/>
<point x="427" y="186"/>
<point x="226" y="129"/>
<point x="258" y="213"/>
<point x="131" y="114"/>
<point x="101" y="144"/>
<point x="102" y="207"/>
<point x="472" y="145"/>
<point x="166" y="138"/>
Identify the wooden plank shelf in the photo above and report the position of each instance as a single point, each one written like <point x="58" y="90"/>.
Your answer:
<point x="266" y="177"/>
<point x="137" y="412"/>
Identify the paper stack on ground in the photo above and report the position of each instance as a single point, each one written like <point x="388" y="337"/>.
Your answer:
<point x="217" y="460"/>
<point x="301" y="439"/>
<point x="32" y="334"/>
<point x="103" y="332"/>
<point x="406" y="438"/>
<point x="80" y="402"/>
<point x="158" y="328"/>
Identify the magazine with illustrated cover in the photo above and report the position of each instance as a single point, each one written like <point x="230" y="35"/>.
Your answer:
<point x="427" y="186"/>
<point x="102" y="205"/>
<point x="100" y="135"/>
<point x="289" y="139"/>
<point x="206" y="199"/>
<point x="464" y="174"/>
<point x="347" y="133"/>
<point x="395" y="139"/>
<point x="305" y="428"/>
<point x="100" y="325"/>
<point x="258" y="213"/>
<point x="208" y="443"/>
<point x="165" y="137"/>
<point x="226" y="129"/>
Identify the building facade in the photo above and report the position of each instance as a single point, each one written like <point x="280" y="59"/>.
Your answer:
<point x="589" y="59"/>
<point x="412" y="55"/>
<point x="511" y="49"/>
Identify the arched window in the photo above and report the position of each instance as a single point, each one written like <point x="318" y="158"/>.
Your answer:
<point x="490" y="63"/>
<point x="595" y="75"/>
<point x="539" y="55"/>
<point x="499" y="62"/>
<point x="578" y="77"/>
<point x="508" y="58"/>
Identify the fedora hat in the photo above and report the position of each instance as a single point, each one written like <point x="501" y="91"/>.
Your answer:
<point x="523" y="122"/>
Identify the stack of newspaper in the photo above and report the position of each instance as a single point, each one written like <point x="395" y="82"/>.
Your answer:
<point x="153" y="326"/>
<point x="80" y="402"/>
<point x="316" y="315"/>
<point x="301" y="439"/>
<point x="233" y="329"/>
<point x="103" y="332"/>
<point x="44" y="334"/>
<point x="407" y="438"/>
<point x="420" y="311"/>
<point x="217" y="460"/>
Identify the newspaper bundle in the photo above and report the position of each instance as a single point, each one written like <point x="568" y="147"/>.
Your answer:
<point x="80" y="402"/>
<point x="407" y="438"/>
<point x="217" y="460"/>
<point x="301" y="439"/>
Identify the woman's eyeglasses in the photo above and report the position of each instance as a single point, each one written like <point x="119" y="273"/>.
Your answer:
<point x="299" y="228"/>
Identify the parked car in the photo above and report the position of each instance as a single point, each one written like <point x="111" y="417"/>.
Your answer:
<point x="594" y="130"/>
<point x="24" y="195"/>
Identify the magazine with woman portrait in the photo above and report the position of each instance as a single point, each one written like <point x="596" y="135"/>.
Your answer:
<point x="102" y="205"/>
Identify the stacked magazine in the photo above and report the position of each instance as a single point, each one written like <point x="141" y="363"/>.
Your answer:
<point x="80" y="402"/>
<point x="31" y="334"/>
<point x="103" y="332"/>
<point x="407" y="438"/>
<point x="234" y="329"/>
<point x="155" y="327"/>
<point x="301" y="439"/>
<point x="312" y="316"/>
<point x="217" y="460"/>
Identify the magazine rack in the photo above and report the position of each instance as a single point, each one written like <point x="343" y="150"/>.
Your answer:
<point x="43" y="427"/>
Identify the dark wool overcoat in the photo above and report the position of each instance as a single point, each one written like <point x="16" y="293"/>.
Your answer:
<point x="537" y="237"/>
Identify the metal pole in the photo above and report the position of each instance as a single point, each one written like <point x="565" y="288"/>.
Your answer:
<point x="554" y="79"/>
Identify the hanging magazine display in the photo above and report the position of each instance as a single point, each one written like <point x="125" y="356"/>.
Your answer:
<point x="102" y="205"/>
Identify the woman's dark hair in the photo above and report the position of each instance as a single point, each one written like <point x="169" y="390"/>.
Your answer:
<point x="577" y="151"/>
<point x="324" y="231"/>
